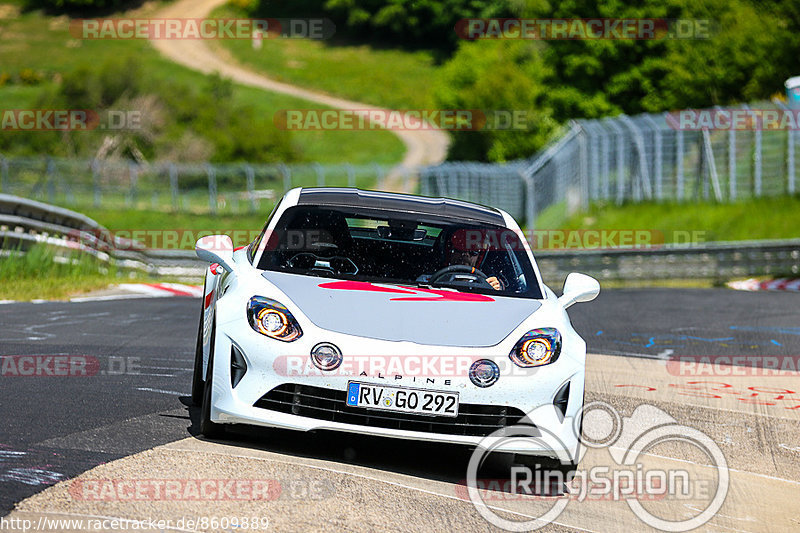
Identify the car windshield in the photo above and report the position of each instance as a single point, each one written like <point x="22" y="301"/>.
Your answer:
<point x="400" y="248"/>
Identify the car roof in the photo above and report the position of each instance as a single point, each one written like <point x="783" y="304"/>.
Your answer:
<point x="398" y="202"/>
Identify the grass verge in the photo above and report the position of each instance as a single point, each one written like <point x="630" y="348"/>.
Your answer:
<point x="762" y="218"/>
<point x="42" y="273"/>
<point x="42" y="47"/>
<point x="393" y="78"/>
<point x="163" y="230"/>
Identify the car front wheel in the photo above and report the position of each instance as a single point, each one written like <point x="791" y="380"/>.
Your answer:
<point x="207" y="427"/>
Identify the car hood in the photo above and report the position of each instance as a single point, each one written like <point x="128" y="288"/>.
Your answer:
<point x="404" y="313"/>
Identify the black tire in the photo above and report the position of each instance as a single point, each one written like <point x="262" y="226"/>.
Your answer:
<point x="197" y="377"/>
<point x="207" y="427"/>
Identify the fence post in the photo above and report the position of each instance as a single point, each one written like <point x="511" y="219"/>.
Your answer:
<point x="251" y="187"/>
<point x="659" y="155"/>
<point x="620" y="160"/>
<point x="351" y="175"/>
<point x="95" y="183"/>
<point x="530" y="201"/>
<point x="379" y="175"/>
<point x="732" y="164"/>
<point x="4" y="175"/>
<point x="790" y="159"/>
<point x="583" y="150"/>
<point x="133" y="176"/>
<point x="287" y="178"/>
<point x="320" y="174"/>
<point x="212" y="189"/>
<point x="789" y="153"/>
<point x="712" y="165"/>
<point x="51" y="183"/>
<point x="173" y="185"/>
<point x="757" y="163"/>
<point x="606" y="164"/>
<point x="644" y="185"/>
<point x="679" y="164"/>
<point x="756" y="157"/>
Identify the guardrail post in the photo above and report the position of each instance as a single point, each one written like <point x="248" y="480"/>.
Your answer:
<point x="320" y="174"/>
<point x="212" y="189"/>
<point x="287" y="178"/>
<point x="173" y="186"/>
<point x="251" y="187"/>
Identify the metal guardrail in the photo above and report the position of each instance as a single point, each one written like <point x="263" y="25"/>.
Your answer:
<point x="25" y="222"/>
<point x="717" y="261"/>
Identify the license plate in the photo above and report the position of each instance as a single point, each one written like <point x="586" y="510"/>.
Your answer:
<point x="402" y="400"/>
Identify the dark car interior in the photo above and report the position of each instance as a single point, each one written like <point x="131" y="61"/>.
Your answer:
<point x="385" y="246"/>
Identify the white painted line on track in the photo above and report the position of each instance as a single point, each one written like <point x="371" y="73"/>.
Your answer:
<point x="171" y="392"/>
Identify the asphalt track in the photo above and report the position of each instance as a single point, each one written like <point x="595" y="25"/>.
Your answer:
<point x="55" y="428"/>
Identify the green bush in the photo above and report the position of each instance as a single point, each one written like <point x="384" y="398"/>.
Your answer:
<point x="752" y="49"/>
<point x="412" y="23"/>
<point x="179" y="122"/>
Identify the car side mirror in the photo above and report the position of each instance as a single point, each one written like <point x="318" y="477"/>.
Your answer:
<point x="216" y="249"/>
<point x="579" y="288"/>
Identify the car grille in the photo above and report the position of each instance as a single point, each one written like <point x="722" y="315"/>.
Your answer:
<point x="329" y="404"/>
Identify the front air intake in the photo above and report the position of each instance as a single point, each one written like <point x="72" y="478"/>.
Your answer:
<point x="238" y="366"/>
<point x="561" y="400"/>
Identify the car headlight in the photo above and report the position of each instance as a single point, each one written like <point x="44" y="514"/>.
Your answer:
<point x="537" y="347"/>
<point x="272" y="319"/>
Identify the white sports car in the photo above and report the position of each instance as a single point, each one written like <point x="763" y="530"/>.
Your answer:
<point x="388" y="314"/>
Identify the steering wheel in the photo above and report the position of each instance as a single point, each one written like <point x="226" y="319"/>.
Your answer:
<point x="474" y="276"/>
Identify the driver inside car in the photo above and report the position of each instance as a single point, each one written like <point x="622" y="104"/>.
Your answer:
<point x="470" y="258"/>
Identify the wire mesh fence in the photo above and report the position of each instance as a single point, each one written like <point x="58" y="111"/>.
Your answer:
<point x="638" y="158"/>
<point x="187" y="187"/>
<point x="647" y="157"/>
